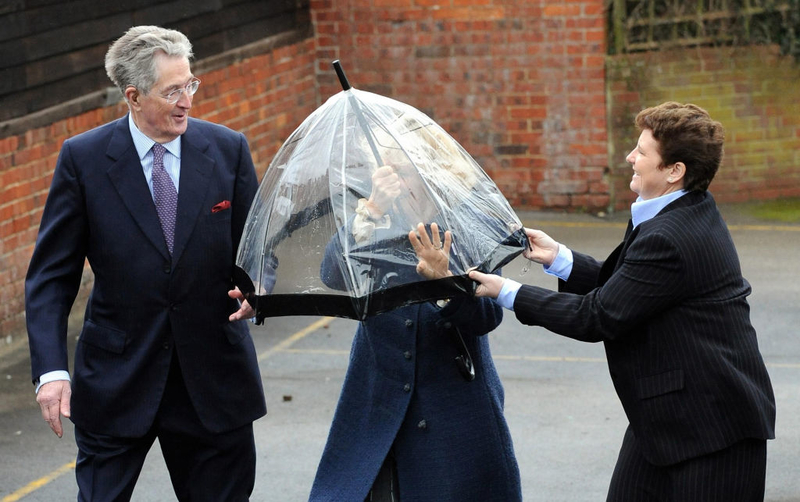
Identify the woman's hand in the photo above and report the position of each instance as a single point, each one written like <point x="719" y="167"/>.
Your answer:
<point x="433" y="255"/>
<point x="488" y="284"/>
<point x="386" y="187"/>
<point x="543" y="249"/>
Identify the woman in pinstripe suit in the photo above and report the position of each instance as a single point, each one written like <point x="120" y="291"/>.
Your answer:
<point x="670" y="306"/>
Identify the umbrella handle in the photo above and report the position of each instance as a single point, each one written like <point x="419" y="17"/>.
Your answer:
<point x="340" y="73"/>
<point x="359" y="116"/>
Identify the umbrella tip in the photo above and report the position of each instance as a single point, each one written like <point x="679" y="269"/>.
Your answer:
<point x="340" y="73"/>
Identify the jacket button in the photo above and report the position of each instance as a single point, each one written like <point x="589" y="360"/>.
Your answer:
<point x="407" y="387"/>
<point x="448" y="325"/>
<point x="173" y="307"/>
<point x="166" y="345"/>
<point x="422" y="424"/>
<point x="409" y="323"/>
<point x="167" y="269"/>
<point x="407" y="354"/>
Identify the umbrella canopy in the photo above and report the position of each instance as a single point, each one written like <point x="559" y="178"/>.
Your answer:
<point x="311" y="246"/>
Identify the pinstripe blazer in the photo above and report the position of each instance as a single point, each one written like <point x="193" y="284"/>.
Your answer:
<point x="670" y="306"/>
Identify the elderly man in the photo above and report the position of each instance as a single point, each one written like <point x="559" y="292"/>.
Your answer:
<point x="157" y="202"/>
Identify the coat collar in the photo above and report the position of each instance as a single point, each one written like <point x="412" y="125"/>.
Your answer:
<point x="614" y="260"/>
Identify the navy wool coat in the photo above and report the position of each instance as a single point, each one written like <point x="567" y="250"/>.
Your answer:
<point x="404" y="391"/>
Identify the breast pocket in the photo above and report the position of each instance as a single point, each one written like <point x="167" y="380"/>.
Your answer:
<point x="215" y="228"/>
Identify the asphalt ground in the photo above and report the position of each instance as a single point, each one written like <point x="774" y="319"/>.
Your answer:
<point x="564" y="416"/>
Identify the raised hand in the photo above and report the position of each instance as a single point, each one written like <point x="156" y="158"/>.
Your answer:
<point x="386" y="187"/>
<point x="432" y="253"/>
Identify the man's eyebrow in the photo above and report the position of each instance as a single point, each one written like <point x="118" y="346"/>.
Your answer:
<point x="180" y="86"/>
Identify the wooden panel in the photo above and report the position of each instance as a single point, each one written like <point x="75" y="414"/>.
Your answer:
<point x="52" y="17"/>
<point x="38" y="98"/>
<point x="52" y="51"/>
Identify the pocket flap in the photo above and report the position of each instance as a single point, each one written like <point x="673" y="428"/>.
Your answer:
<point x="103" y="337"/>
<point x="657" y="385"/>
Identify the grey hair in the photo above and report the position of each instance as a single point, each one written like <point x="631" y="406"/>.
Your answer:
<point x="130" y="61"/>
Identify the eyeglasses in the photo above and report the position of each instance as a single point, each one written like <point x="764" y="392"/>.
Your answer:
<point x="175" y="95"/>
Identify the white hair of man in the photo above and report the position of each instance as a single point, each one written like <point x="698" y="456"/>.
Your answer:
<point x="130" y="61"/>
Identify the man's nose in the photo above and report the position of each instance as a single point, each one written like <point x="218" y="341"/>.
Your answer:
<point x="185" y="101"/>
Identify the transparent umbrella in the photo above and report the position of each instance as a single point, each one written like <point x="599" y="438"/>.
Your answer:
<point x="328" y="231"/>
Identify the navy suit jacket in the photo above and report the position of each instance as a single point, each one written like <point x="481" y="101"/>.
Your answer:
<point x="670" y="306"/>
<point x="145" y="304"/>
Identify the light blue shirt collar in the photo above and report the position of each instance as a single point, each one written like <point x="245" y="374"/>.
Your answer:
<point x="643" y="210"/>
<point x="143" y="143"/>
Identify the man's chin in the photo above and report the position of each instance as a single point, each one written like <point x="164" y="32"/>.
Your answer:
<point x="179" y="125"/>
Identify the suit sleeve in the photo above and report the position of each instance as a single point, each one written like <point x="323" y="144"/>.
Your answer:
<point x="56" y="267"/>
<point x="245" y="191"/>
<point x="584" y="275"/>
<point x="649" y="281"/>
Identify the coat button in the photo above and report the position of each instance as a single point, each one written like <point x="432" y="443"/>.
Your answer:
<point x="167" y="269"/>
<point x="448" y="325"/>
<point x="407" y="387"/>
<point x="409" y="323"/>
<point x="407" y="354"/>
<point x="166" y="345"/>
<point x="422" y="424"/>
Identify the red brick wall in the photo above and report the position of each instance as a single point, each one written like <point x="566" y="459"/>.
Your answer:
<point x="519" y="83"/>
<point x="265" y="97"/>
<point x="753" y="91"/>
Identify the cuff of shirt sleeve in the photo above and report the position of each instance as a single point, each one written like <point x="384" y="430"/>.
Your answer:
<point x="508" y="293"/>
<point x="562" y="265"/>
<point x="52" y="376"/>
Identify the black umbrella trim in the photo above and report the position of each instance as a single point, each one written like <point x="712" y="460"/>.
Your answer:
<point x="341" y="305"/>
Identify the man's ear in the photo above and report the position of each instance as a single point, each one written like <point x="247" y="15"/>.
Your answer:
<point x="132" y="96"/>
<point x="676" y="172"/>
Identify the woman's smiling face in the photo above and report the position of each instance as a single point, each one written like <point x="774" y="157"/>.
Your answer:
<point x="649" y="174"/>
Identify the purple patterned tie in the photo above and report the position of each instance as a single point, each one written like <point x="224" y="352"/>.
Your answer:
<point x="165" y="195"/>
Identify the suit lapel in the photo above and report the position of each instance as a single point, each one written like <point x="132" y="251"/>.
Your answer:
<point x="196" y="169"/>
<point x="128" y="178"/>
<point x="614" y="261"/>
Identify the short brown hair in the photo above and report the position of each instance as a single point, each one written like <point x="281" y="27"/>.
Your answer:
<point x="686" y="133"/>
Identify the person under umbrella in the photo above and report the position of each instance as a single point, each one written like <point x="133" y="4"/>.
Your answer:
<point x="420" y="415"/>
<point x="321" y="177"/>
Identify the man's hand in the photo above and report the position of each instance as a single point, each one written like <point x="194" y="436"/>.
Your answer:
<point x="543" y="249"/>
<point x="245" y="311"/>
<point x="488" y="284"/>
<point x="53" y="399"/>
<point x="433" y="255"/>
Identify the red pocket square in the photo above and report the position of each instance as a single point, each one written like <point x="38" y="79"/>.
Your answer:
<point x="225" y="204"/>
